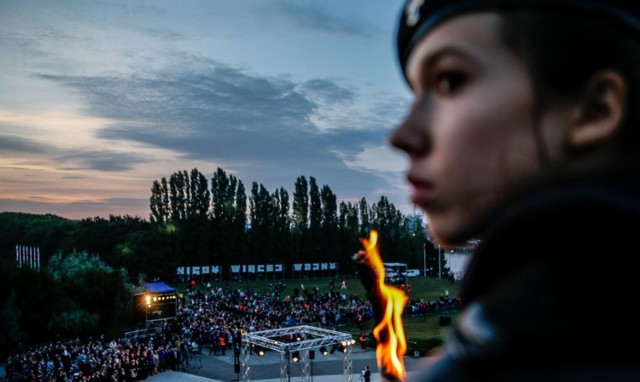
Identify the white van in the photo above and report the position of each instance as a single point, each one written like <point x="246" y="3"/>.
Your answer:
<point x="411" y="272"/>
<point x="388" y="272"/>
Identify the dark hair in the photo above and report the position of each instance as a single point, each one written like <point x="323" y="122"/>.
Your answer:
<point x="563" y="51"/>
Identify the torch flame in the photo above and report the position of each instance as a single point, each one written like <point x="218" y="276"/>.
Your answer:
<point x="389" y="332"/>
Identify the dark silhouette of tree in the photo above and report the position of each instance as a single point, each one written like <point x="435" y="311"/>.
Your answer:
<point x="329" y="244"/>
<point x="229" y="219"/>
<point x="282" y="247"/>
<point x="315" y="222"/>
<point x="300" y="216"/>
<point x="159" y="213"/>
<point x="261" y="222"/>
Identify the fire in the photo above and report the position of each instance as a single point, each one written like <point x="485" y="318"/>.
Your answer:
<point x="390" y="302"/>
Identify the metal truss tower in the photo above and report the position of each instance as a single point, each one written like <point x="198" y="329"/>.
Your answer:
<point x="301" y="340"/>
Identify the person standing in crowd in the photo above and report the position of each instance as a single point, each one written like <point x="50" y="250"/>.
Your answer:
<point x="363" y="341"/>
<point x="366" y="374"/>
<point x="524" y="132"/>
<point x="222" y="340"/>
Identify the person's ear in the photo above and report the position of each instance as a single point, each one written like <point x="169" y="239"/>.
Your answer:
<point x="600" y="110"/>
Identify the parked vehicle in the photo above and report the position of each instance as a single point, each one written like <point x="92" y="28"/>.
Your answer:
<point x="390" y="273"/>
<point x="411" y="273"/>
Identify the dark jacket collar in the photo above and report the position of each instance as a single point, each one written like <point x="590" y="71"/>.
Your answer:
<point x="553" y="275"/>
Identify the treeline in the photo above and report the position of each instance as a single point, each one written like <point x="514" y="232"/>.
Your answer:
<point x="221" y="222"/>
<point x="196" y="221"/>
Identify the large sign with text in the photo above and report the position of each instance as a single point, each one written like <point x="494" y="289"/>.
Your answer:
<point x="298" y="267"/>
<point x="257" y="268"/>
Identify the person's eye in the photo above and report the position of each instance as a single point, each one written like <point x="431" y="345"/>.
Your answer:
<point x="449" y="82"/>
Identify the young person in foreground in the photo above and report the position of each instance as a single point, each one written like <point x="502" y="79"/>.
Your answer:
<point x="524" y="132"/>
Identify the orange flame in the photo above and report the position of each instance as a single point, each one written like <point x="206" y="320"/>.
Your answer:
<point x="389" y="332"/>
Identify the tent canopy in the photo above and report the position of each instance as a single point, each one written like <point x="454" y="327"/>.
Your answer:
<point x="159" y="287"/>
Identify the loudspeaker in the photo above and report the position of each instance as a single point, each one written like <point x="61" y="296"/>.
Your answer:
<point x="236" y="368"/>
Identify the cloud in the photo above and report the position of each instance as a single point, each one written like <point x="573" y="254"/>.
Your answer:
<point x="209" y="111"/>
<point x="65" y="158"/>
<point x="15" y="144"/>
<point x="327" y="91"/>
<point x="108" y="161"/>
<point x="308" y="17"/>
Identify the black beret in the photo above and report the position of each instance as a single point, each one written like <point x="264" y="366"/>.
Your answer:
<point x="421" y="16"/>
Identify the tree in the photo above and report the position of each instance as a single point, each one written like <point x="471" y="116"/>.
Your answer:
<point x="365" y="217"/>
<point x="329" y="245"/>
<point x="281" y="226"/>
<point x="199" y="194"/>
<point x="97" y="295"/>
<point x="261" y="215"/>
<point x="228" y="216"/>
<point x="159" y="213"/>
<point x="177" y="196"/>
<point x="300" y="216"/>
<point x="315" y="221"/>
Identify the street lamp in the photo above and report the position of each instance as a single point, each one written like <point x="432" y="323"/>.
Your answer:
<point x="424" y="258"/>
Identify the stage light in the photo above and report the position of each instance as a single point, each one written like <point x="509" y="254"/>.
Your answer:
<point x="333" y="349"/>
<point x="295" y="356"/>
<point x="260" y="352"/>
<point x="324" y="351"/>
<point x="342" y="348"/>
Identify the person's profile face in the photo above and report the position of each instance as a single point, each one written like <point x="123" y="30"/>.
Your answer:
<point x="469" y="133"/>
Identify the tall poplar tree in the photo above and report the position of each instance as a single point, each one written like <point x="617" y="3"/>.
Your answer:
<point x="177" y="197"/>
<point x="329" y="244"/>
<point x="228" y="216"/>
<point x="199" y="193"/>
<point x="315" y="220"/>
<point x="365" y="217"/>
<point x="261" y="232"/>
<point x="300" y="216"/>
<point x="158" y="209"/>
<point x="281" y="227"/>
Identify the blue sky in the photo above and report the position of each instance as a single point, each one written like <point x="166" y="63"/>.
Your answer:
<point x="101" y="98"/>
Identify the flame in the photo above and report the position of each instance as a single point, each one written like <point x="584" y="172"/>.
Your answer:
<point x="389" y="332"/>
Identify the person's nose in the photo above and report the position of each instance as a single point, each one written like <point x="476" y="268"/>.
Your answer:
<point x="412" y="135"/>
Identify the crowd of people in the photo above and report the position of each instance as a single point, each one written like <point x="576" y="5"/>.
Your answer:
<point x="210" y="317"/>
<point x="96" y="360"/>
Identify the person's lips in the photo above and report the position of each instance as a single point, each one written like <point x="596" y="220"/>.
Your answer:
<point x="423" y="191"/>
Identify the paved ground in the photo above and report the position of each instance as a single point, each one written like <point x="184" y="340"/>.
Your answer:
<point x="328" y="368"/>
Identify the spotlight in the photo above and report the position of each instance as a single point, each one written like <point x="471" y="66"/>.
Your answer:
<point x="324" y="351"/>
<point x="342" y="348"/>
<point x="260" y="352"/>
<point x="333" y="349"/>
<point x="295" y="356"/>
